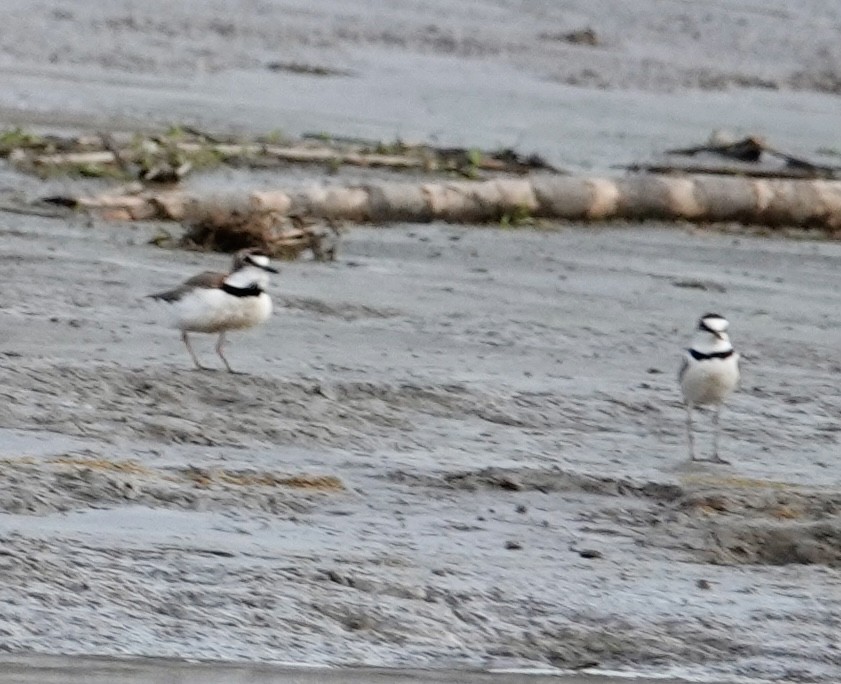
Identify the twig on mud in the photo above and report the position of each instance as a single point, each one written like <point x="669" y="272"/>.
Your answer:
<point x="168" y="157"/>
<point x="750" y="156"/>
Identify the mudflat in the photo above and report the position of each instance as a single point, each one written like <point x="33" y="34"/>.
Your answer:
<point x="456" y="447"/>
<point x="81" y="670"/>
<point x="586" y="83"/>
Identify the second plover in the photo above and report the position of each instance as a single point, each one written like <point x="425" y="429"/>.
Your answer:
<point x="213" y="302"/>
<point x="708" y="375"/>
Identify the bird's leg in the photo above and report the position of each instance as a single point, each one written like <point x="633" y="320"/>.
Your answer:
<point x="689" y="434"/>
<point x="219" y="344"/>
<point x="190" y="349"/>
<point x="716" y="458"/>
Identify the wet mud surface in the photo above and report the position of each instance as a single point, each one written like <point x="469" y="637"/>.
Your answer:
<point x="588" y="85"/>
<point x="58" y="670"/>
<point x="604" y="44"/>
<point x="453" y="447"/>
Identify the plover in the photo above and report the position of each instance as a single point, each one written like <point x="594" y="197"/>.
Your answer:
<point x="218" y="302"/>
<point x="708" y="375"/>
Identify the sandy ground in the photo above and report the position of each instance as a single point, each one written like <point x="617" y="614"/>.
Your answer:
<point x="425" y="449"/>
<point x="58" y="670"/>
<point x="455" y="447"/>
<point x="489" y="73"/>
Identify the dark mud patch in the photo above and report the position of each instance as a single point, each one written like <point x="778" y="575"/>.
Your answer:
<point x="740" y="522"/>
<point x="762" y="524"/>
<point x="776" y="543"/>
<point x="820" y="81"/>
<point x="307" y="69"/>
<point x="76" y="482"/>
<point x="765" y="498"/>
<point x="543" y="480"/>
<point x="586" y="36"/>
<point x="752" y="523"/>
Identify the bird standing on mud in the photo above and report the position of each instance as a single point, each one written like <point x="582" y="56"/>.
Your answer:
<point x="708" y="375"/>
<point x="213" y="302"/>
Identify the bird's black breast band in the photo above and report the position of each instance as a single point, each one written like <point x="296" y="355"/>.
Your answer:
<point x="700" y="356"/>
<point x="250" y="291"/>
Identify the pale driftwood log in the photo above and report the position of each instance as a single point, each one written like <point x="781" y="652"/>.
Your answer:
<point x="306" y="155"/>
<point x="700" y="199"/>
<point x="644" y="197"/>
<point x="75" y="158"/>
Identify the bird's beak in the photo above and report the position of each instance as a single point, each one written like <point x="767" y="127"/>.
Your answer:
<point x="270" y="269"/>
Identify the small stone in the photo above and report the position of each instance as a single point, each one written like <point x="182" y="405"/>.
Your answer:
<point x="521" y="509"/>
<point x="703" y="584"/>
<point x="326" y="391"/>
<point x="512" y="545"/>
<point x="590" y="553"/>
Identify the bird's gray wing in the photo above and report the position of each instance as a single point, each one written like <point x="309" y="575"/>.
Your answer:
<point x="208" y="280"/>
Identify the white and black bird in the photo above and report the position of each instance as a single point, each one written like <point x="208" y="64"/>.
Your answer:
<point x="213" y="302"/>
<point x="708" y="375"/>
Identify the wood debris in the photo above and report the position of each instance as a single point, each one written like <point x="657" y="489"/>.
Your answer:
<point x="700" y="198"/>
<point x="750" y="156"/>
<point x="167" y="158"/>
<point x="210" y="226"/>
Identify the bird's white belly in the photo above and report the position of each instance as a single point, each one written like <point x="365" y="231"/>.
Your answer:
<point x="213" y="311"/>
<point x="710" y="381"/>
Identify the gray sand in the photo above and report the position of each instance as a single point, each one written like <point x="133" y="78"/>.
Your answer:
<point x="456" y="447"/>
<point x="57" y="670"/>
<point x="495" y="405"/>
<point x="490" y="73"/>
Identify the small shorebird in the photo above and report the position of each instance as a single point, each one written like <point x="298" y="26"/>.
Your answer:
<point x="709" y="373"/>
<point x="218" y="302"/>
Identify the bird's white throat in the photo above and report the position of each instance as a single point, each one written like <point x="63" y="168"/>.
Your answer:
<point x="248" y="276"/>
<point x="706" y="343"/>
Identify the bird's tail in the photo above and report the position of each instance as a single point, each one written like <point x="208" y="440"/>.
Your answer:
<point x="169" y="296"/>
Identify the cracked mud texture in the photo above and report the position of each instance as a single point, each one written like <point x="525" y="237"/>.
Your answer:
<point x="453" y="447"/>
